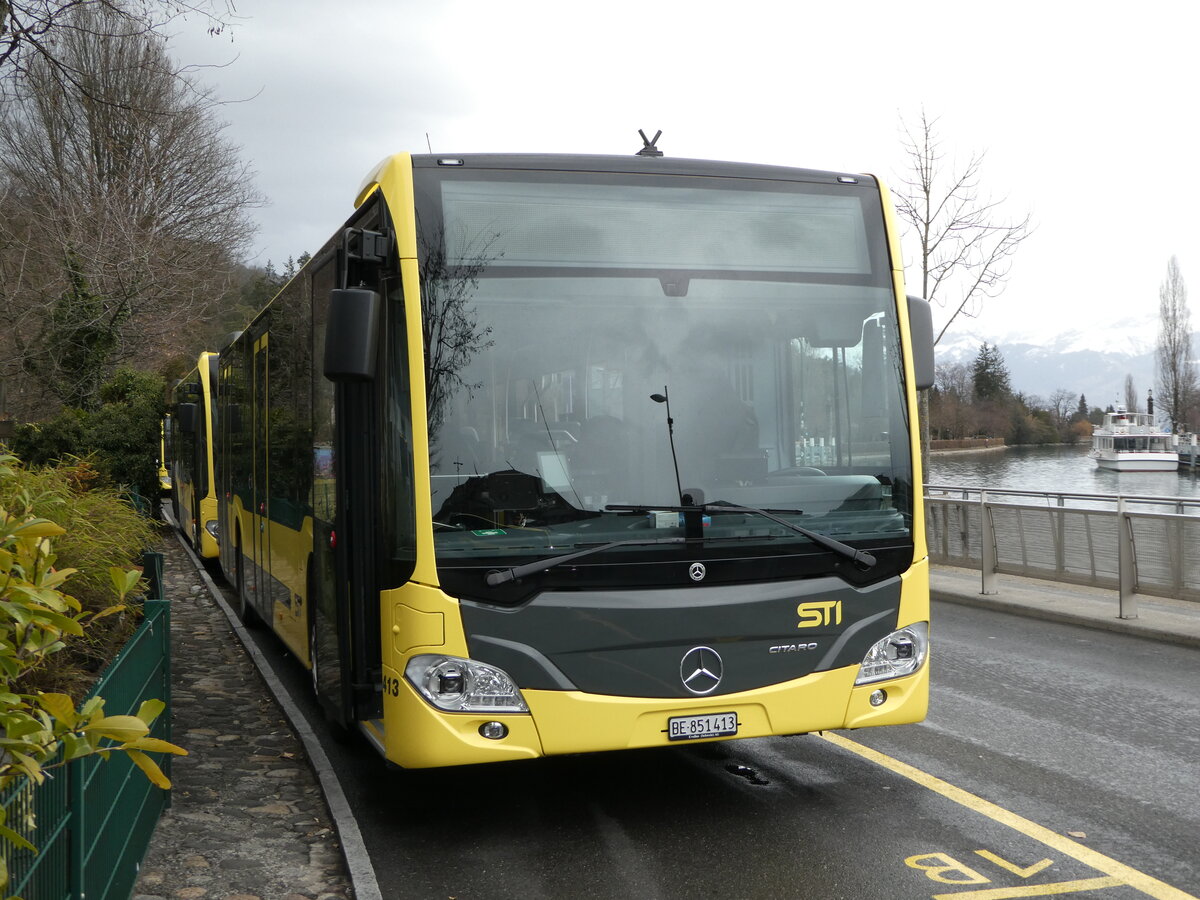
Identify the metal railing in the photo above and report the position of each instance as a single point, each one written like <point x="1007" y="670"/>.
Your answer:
<point x="1133" y="544"/>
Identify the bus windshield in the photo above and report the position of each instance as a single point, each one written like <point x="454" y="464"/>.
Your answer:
<point x="603" y="350"/>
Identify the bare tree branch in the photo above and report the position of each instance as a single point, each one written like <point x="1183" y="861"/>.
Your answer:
<point x="123" y="211"/>
<point x="965" y="252"/>
<point x="36" y="32"/>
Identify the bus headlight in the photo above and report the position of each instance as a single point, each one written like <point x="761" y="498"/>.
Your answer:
<point x="900" y="653"/>
<point x="463" y="685"/>
<point x="211" y="527"/>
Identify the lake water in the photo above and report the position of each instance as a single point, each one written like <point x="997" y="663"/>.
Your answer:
<point x="1058" y="468"/>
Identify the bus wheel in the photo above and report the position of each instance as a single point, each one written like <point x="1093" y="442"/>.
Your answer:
<point x="312" y="653"/>
<point x="245" y="612"/>
<point x="337" y="729"/>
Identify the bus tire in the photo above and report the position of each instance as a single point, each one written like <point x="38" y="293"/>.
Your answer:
<point x="245" y="612"/>
<point x="314" y="681"/>
<point x="337" y="729"/>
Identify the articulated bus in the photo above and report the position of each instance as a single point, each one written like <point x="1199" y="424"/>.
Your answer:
<point x="554" y="454"/>
<point x="192" y="480"/>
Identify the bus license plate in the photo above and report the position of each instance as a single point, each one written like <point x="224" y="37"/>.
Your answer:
<point x="689" y="728"/>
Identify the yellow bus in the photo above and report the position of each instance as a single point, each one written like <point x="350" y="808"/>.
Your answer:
<point x="189" y="426"/>
<point x="164" y="464"/>
<point x="554" y="454"/>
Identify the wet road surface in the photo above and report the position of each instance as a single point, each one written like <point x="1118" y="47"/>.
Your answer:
<point x="1056" y="760"/>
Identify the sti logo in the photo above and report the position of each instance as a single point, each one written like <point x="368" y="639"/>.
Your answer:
<point x="818" y="613"/>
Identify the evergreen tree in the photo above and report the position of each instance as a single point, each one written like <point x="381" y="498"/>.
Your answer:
<point x="990" y="374"/>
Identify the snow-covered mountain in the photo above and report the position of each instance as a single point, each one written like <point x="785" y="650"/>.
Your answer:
<point x="1092" y="360"/>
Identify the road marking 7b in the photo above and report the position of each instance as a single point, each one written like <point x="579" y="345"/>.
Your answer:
<point x="945" y="869"/>
<point x="819" y="612"/>
<point x="1118" y="872"/>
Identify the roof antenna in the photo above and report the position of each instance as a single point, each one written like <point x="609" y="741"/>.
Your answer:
<point x="649" y="149"/>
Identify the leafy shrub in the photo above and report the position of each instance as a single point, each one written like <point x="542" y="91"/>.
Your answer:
<point x="48" y="442"/>
<point x="42" y="729"/>
<point x="101" y="530"/>
<point x="127" y="428"/>
<point x="120" y="438"/>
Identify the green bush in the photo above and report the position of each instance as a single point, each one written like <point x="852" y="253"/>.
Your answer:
<point x="39" y="624"/>
<point x="102" y="530"/>
<point x="121" y="438"/>
<point x="127" y="428"/>
<point x="48" y="442"/>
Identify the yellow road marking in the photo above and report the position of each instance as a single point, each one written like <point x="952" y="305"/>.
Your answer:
<point x="1035" y="890"/>
<point x="1023" y="871"/>
<point x="1128" y="875"/>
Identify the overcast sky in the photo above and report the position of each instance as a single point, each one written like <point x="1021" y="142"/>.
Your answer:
<point x="1086" y="112"/>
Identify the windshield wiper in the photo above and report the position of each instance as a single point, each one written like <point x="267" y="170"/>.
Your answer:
<point x="860" y="557"/>
<point x="500" y="576"/>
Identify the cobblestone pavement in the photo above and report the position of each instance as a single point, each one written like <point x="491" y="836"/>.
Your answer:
<point x="248" y="820"/>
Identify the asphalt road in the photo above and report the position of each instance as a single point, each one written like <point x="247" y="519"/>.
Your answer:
<point x="1056" y="760"/>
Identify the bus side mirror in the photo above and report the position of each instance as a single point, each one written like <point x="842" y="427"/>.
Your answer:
<point x="185" y="417"/>
<point x="351" y="335"/>
<point x="920" y="327"/>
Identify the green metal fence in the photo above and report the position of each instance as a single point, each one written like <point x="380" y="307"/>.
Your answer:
<point x="93" y="821"/>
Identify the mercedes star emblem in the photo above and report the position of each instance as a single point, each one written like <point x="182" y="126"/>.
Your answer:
<point x="697" y="571"/>
<point x="701" y="670"/>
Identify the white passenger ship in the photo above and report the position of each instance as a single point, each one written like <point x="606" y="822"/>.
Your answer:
<point x="1133" y="442"/>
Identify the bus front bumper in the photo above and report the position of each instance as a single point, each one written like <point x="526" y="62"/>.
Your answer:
<point x="561" y="722"/>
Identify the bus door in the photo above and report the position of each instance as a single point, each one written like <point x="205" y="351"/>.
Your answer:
<point x="228" y="426"/>
<point x="326" y="597"/>
<point x="354" y="560"/>
<point x="343" y="564"/>
<point x="260" y="538"/>
<point x="354" y="554"/>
